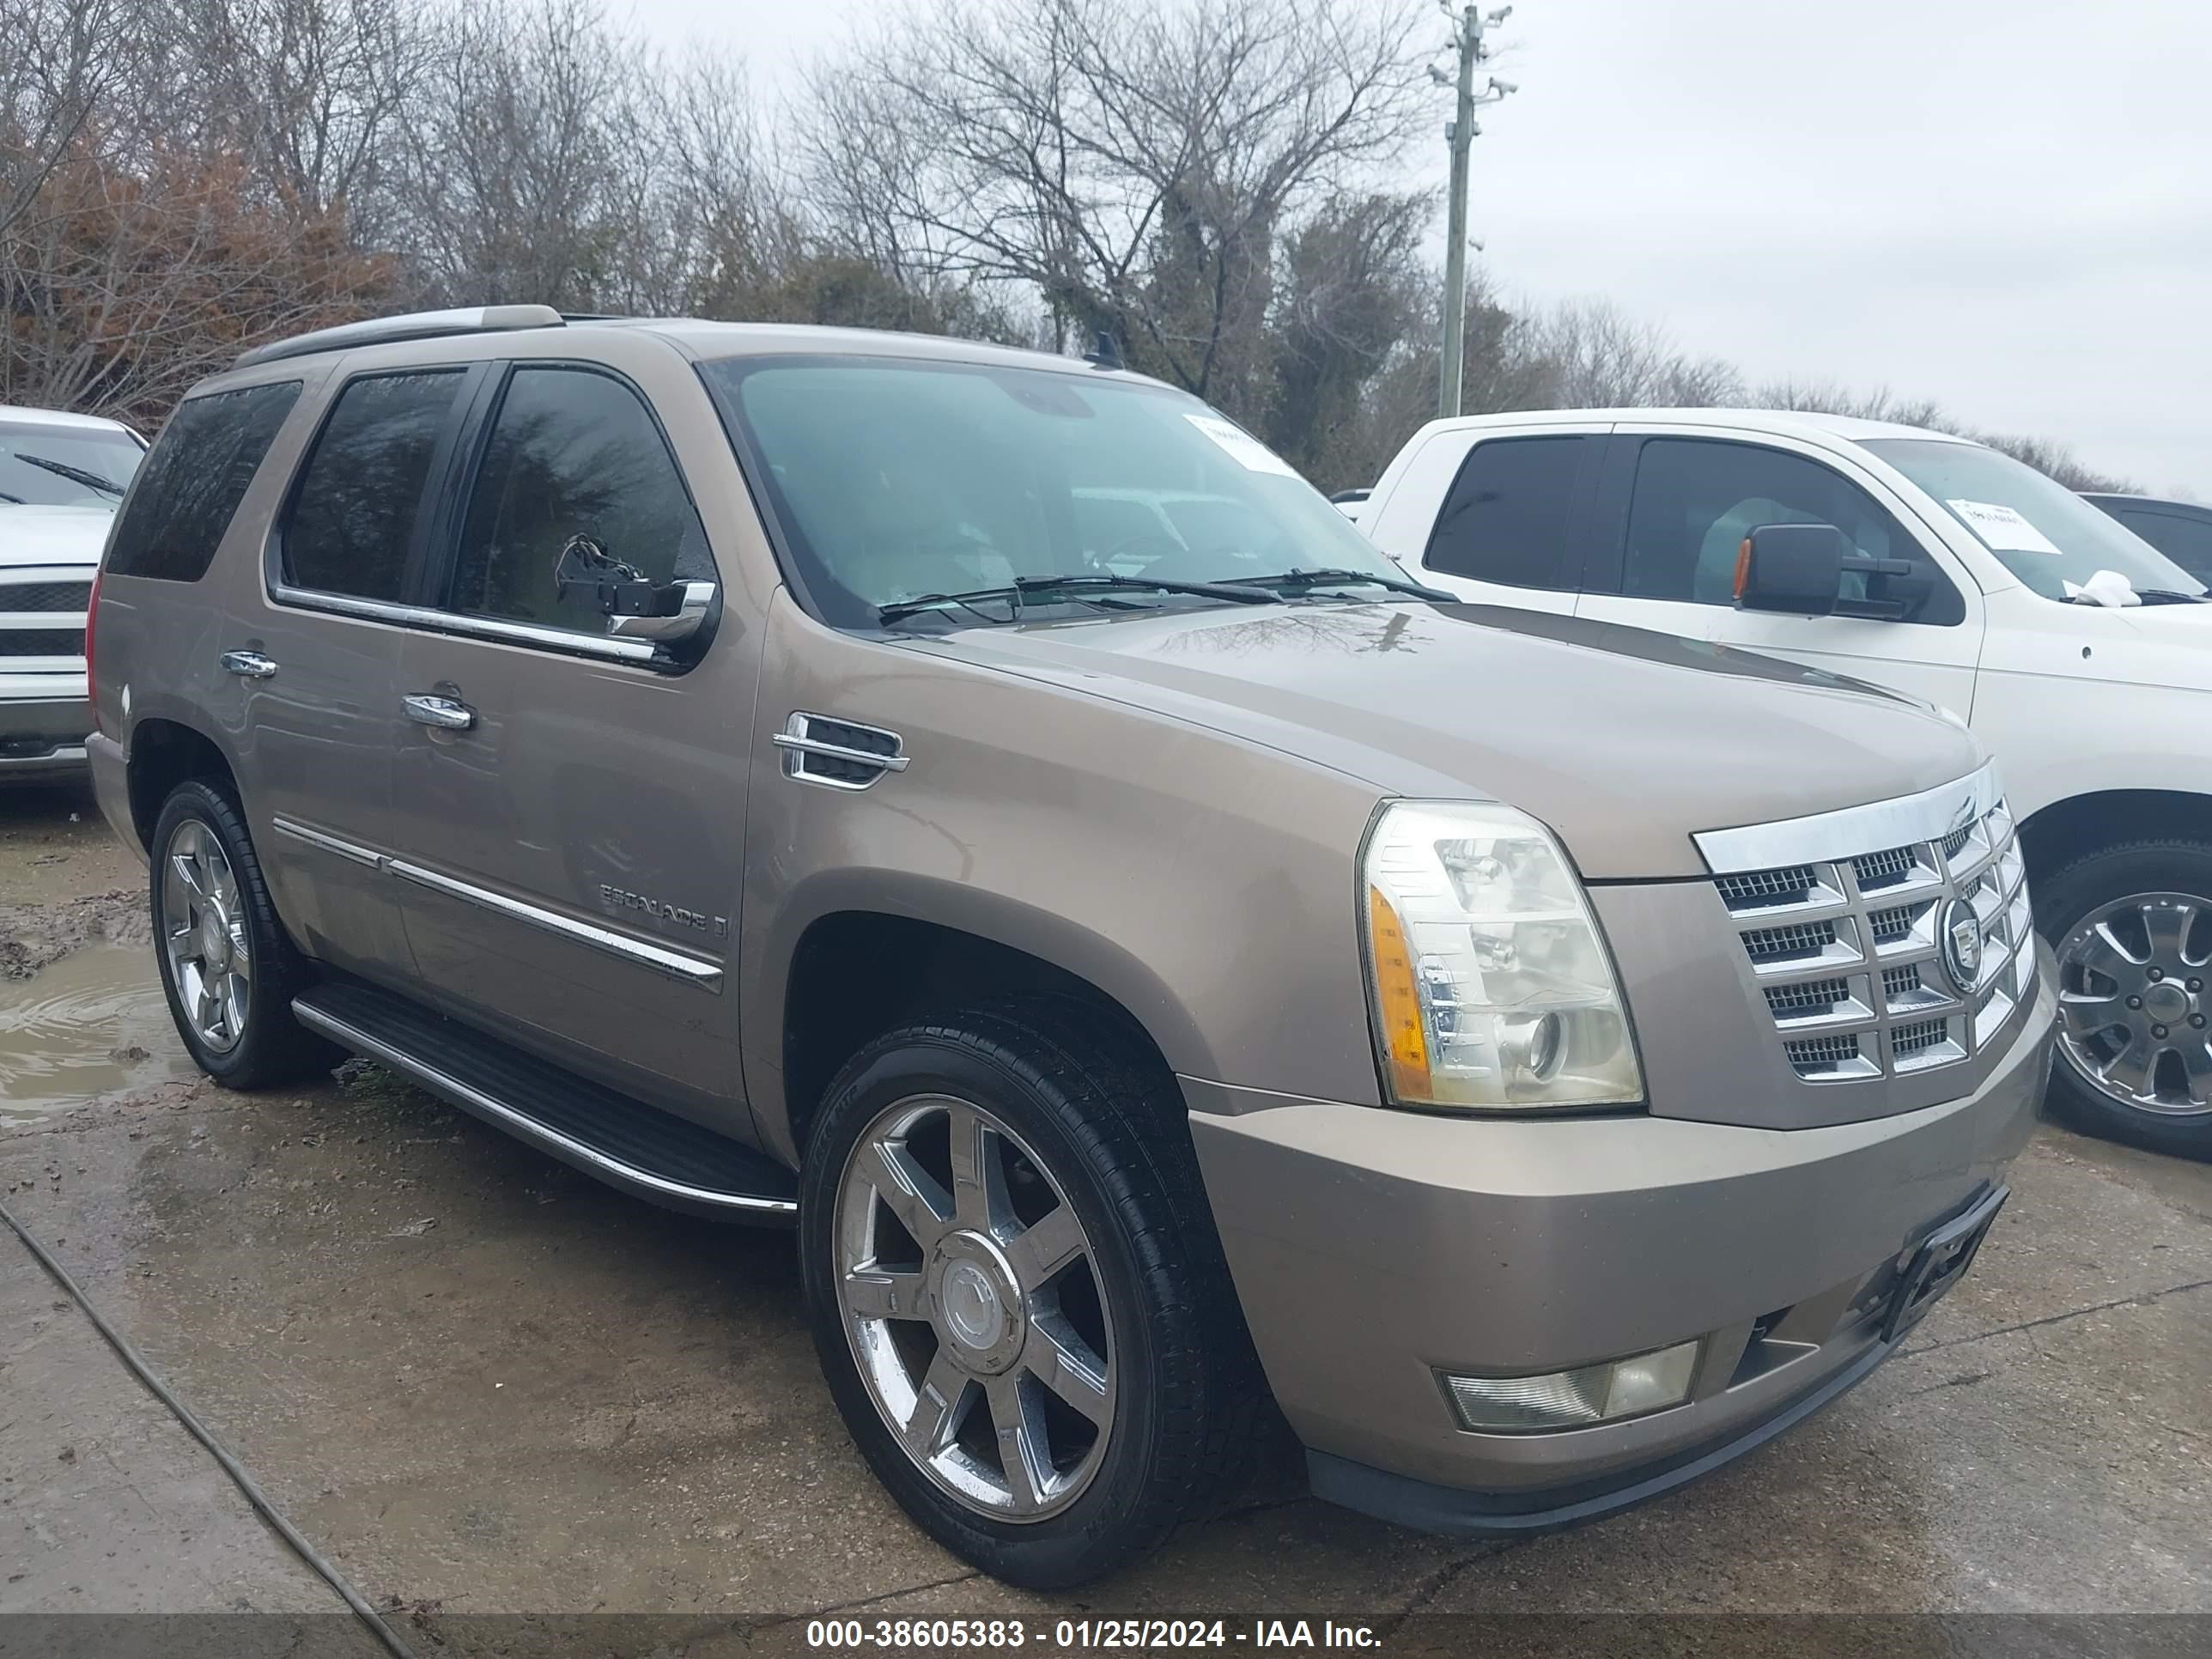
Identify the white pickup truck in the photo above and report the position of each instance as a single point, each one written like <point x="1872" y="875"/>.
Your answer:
<point x="2079" y="655"/>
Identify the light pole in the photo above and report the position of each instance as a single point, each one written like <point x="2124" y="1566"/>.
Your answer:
<point x="1467" y="27"/>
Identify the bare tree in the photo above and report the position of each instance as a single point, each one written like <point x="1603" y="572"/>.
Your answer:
<point x="516" y="183"/>
<point x="1593" y="356"/>
<point x="1134" y="165"/>
<point x="2047" y="455"/>
<point x="310" y="94"/>
<point x="2043" y="454"/>
<point x="1828" y="397"/>
<point x="59" y="60"/>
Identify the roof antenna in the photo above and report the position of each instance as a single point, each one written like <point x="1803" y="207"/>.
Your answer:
<point x="1107" y="354"/>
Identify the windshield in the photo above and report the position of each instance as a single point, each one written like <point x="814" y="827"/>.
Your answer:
<point x="44" y="466"/>
<point x="893" y="479"/>
<point x="2046" y="535"/>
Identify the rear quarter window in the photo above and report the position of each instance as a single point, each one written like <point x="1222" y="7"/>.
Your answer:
<point x="194" y="478"/>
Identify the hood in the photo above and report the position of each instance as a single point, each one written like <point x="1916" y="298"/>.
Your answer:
<point x="2175" y="648"/>
<point x="52" y="535"/>
<point x="1626" y="742"/>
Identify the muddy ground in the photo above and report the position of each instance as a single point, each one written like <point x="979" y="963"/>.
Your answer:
<point x="485" y="1387"/>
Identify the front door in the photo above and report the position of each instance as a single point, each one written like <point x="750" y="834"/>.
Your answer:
<point x="1687" y="502"/>
<point x="570" y="811"/>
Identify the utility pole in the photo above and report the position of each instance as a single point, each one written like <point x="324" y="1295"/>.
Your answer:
<point x="1468" y="28"/>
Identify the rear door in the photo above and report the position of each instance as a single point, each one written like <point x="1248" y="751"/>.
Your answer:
<point x="315" y="665"/>
<point x="569" y="825"/>
<point x="1512" y="527"/>
<point x="1674" y="507"/>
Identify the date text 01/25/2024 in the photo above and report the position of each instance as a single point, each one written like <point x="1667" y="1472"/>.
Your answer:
<point x="1073" y="1635"/>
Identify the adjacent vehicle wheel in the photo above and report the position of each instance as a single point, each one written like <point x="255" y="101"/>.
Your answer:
<point x="2132" y="928"/>
<point x="229" y="969"/>
<point x="1017" y="1294"/>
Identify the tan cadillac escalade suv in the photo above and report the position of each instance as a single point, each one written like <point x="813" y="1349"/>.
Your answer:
<point x="986" y="810"/>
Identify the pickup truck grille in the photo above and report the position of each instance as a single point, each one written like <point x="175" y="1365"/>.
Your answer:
<point x="40" y="641"/>
<point x="1854" y="956"/>
<point x="41" y="616"/>
<point x="74" y="598"/>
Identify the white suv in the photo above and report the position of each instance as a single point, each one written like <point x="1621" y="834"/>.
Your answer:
<point x="2076" y="651"/>
<point x="60" y="477"/>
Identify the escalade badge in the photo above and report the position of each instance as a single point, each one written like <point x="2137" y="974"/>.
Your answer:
<point x="1959" y="934"/>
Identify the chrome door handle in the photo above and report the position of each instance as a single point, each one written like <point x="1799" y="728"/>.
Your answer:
<point x="249" y="665"/>
<point x="446" y="713"/>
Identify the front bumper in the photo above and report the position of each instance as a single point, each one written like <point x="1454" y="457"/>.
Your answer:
<point x="1373" y="1250"/>
<point x="44" y="719"/>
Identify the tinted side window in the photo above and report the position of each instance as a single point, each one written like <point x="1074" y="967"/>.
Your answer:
<point x="2187" y="541"/>
<point x="191" y="482"/>
<point x="353" y="516"/>
<point x="1696" y="499"/>
<point x="572" y="452"/>
<point x="1506" y="518"/>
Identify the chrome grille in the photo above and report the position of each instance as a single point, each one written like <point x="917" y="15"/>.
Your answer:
<point x="1918" y="1037"/>
<point x="1787" y="944"/>
<point x="1759" y="888"/>
<point x="1828" y="1057"/>
<point x="1847" y="946"/>
<point x="1814" y="996"/>
<point x="1888" y="926"/>
<point x="1883" y="869"/>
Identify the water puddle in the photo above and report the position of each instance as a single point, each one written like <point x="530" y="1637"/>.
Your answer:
<point x="84" y="1026"/>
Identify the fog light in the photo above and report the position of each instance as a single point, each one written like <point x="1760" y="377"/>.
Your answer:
<point x="1576" y="1398"/>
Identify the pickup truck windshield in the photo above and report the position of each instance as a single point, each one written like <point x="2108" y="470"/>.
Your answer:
<point x="2045" y="533"/>
<point x="45" y="466"/>
<point x="896" y="479"/>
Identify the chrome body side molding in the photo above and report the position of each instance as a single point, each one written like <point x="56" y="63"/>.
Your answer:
<point x="691" y="970"/>
<point x="643" y="651"/>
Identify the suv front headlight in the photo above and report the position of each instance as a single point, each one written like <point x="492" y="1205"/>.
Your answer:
<point x="1490" y="984"/>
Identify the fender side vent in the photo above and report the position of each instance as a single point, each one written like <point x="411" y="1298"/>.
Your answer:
<point x="838" y="754"/>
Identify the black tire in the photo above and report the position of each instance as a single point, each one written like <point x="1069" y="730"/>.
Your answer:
<point x="1109" y="1129"/>
<point x="2063" y="900"/>
<point x="273" y="1048"/>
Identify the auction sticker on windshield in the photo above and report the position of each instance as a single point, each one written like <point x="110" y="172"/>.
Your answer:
<point x="2003" y="527"/>
<point x="1241" y="447"/>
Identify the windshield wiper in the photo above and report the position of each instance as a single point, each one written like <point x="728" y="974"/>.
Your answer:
<point x="76" y="474"/>
<point x="2146" y="596"/>
<point x="1304" y="581"/>
<point x="1092" y="588"/>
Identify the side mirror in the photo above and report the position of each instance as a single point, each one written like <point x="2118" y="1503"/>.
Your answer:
<point x="1797" y="568"/>
<point x="634" y="607"/>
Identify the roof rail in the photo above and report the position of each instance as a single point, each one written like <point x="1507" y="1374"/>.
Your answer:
<point x="414" y="325"/>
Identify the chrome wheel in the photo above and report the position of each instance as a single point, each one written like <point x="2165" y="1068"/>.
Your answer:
<point x="2135" y="991"/>
<point x="205" y="936"/>
<point x="971" y="1297"/>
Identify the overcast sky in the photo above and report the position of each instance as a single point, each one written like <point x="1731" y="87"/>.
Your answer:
<point x="2005" y="205"/>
